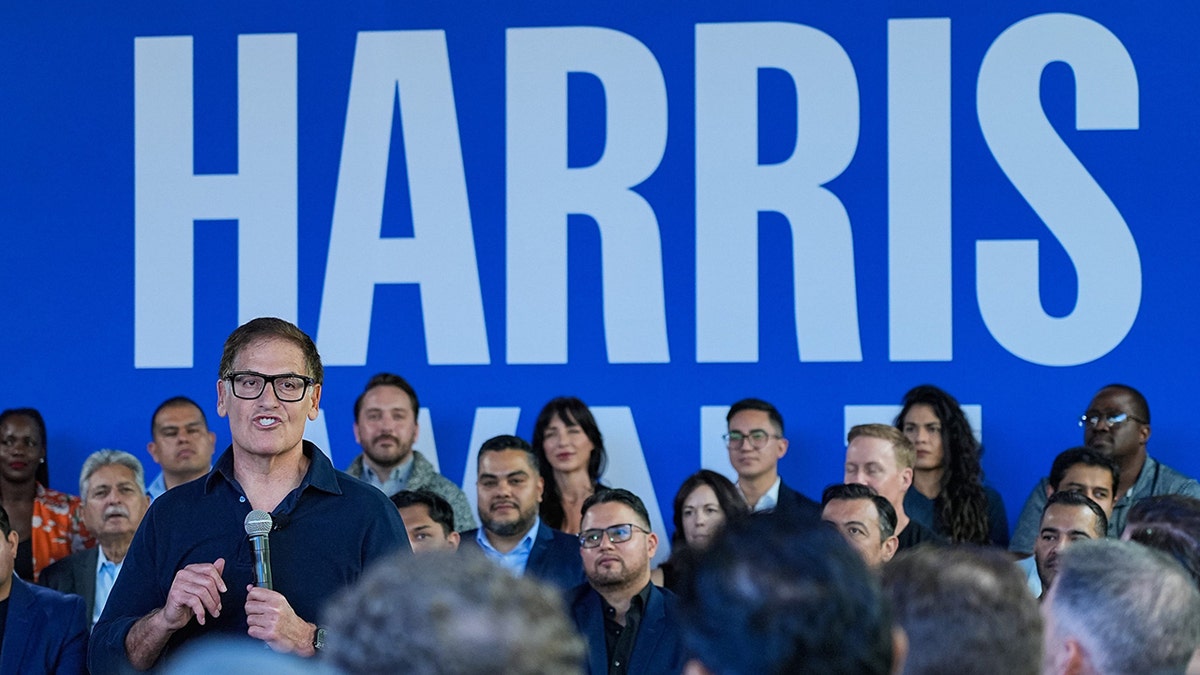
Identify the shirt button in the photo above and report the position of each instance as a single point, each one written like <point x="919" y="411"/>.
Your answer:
<point x="242" y="499"/>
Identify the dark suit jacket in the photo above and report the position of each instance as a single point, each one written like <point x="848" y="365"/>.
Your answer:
<point x="792" y="504"/>
<point x="76" y="574"/>
<point x="46" y="632"/>
<point x="554" y="557"/>
<point x="658" y="647"/>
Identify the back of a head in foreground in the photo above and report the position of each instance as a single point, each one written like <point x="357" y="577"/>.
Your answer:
<point x="450" y="615"/>
<point x="1128" y="608"/>
<point x="1171" y="524"/>
<point x="964" y="609"/>
<point x="780" y="595"/>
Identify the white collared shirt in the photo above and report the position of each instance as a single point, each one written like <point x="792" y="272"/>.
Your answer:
<point x="769" y="499"/>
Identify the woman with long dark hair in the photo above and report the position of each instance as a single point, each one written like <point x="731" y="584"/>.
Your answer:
<point x="948" y="493"/>
<point x="48" y="523"/>
<point x="704" y="503"/>
<point x="570" y="450"/>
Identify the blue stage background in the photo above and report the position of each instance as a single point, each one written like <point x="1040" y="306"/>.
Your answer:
<point x="457" y="240"/>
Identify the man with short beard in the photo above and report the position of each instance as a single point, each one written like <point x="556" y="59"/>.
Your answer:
<point x="509" y="489"/>
<point x="385" y="425"/>
<point x="631" y="625"/>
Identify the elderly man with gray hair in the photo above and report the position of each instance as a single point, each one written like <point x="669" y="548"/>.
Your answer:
<point x="112" y="485"/>
<point x="1118" y="607"/>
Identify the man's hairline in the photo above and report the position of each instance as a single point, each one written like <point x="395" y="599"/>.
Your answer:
<point x="368" y="390"/>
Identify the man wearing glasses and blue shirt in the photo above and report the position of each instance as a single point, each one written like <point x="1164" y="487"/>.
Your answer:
<point x="756" y="443"/>
<point x="631" y="625"/>
<point x="1117" y="425"/>
<point x="190" y="571"/>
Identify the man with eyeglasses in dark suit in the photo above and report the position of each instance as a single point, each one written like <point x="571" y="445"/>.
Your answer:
<point x="631" y="625"/>
<point x="1117" y="425"/>
<point x="756" y="443"/>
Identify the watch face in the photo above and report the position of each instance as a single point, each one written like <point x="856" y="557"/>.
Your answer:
<point x="319" y="639"/>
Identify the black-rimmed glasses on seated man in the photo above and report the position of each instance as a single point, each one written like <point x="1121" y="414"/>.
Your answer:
<point x="249" y="385"/>
<point x="1111" y="420"/>
<point x="616" y="534"/>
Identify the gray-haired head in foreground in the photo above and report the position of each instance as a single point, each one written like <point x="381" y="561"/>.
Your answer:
<point x="965" y="609"/>
<point x="449" y="615"/>
<point x="1131" y="609"/>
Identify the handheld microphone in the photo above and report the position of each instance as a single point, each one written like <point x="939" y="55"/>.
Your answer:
<point x="258" y="526"/>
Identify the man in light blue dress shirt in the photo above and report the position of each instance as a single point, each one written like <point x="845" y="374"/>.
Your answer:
<point x="113" y="487"/>
<point x="509" y="487"/>
<point x="183" y="444"/>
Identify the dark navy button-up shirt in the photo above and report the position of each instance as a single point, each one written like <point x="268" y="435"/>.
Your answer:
<point x="327" y="531"/>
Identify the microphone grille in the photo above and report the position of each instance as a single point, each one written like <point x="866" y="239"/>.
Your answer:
<point x="258" y="522"/>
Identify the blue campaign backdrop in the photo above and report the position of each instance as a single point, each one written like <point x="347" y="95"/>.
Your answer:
<point x="660" y="208"/>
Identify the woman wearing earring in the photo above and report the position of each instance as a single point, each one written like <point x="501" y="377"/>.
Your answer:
<point x="48" y="523"/>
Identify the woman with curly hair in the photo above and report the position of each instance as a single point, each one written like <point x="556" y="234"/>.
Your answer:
<point x="948" y="493"/>
<point x="570" y="451"/>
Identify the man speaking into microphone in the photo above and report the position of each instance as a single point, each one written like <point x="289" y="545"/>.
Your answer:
<point x="192" y="569"/>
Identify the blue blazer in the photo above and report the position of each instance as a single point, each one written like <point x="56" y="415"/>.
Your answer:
<point x="554" y="558"/>
<point x="46" y="632"/>
<point x="658" y="648"/>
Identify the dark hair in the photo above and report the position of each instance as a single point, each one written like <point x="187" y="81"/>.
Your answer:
<point x="1086" y="456"/>
<point x="440" y="510"/>
<point x="619" y="496"/>
<point x="965" y="609"/>
<point x="732" y="504"/>
<point x="775" y="594"/>
<point x="570" y="410"/>
<point x="1141" y="408"/>
<point x="854" y="491"/>
<point x="43" y="471"/>
<point x="1067" y="498"/>
<point x="173" y="402"/>
<point x="1171" y="524"/>
<point x="5" y="526"/>
<point x="270" y="328"/>
<point x="506" y="442"/>
<point x="760" y="405"/>
<point x="961" y="506"/>
<point x="387" y="380"/>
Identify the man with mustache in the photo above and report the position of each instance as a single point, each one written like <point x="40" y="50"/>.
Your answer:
<point x="113" y="488"/>
<point x="509" y="488"/>
<point x="385" y="425"/>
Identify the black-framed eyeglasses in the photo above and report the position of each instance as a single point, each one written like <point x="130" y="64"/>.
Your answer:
<point x="1092" y="420"/>
<point x="615" y="533"/>
<point x="758" y="438"/>
<point x="288" y="387"/>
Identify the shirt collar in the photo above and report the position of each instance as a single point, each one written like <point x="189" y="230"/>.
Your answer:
<point x="399" y="474"/>
<point x="523" y="546"/>
<point x="320" y="475"/>
<point x="1143" y="486"/>
<point x="770" y="498"/>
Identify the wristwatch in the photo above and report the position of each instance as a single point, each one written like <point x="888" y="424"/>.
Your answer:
<point x="319" y="639"/>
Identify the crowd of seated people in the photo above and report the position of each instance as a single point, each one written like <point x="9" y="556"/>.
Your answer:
<point x="903" y="566"/>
